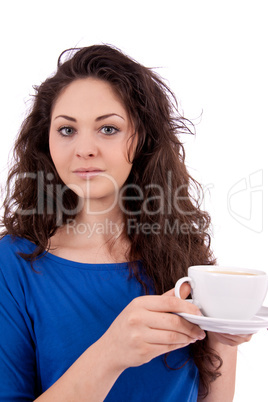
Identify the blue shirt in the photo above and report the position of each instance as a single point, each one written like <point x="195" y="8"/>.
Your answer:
<point x="50" y="317"/>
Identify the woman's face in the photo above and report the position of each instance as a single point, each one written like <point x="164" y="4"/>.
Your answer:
<point x="89" y="139"/>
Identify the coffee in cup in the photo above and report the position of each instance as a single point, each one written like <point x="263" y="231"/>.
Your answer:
<point x="226" y="292"/>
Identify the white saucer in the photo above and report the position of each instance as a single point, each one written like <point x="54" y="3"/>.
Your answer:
<point x="233" y="327"/>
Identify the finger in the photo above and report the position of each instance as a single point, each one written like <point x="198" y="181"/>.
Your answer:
<point x="238" y="339"/>
<point x="174" y="323"/>
<point x="246" y="337"/>
<point x="158" y="349"/>
<point x="162" y="337"/>
<point x="170" y="292"/>
<point x="232" y="340"/>
<point x="185" y="290"/>
<point x="168" y="304"/>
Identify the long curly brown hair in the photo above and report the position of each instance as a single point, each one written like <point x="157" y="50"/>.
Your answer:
<point x="170" y="205"/>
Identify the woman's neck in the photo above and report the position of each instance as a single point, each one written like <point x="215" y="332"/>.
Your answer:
<point x="92" y="237"/>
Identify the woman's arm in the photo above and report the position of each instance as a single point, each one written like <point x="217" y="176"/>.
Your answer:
<point x="90" y="377"/>
<point x="225" y="345"/>
<point x="144" y="329"/>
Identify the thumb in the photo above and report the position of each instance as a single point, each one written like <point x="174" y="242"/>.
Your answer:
<point x="170" y="292"/>
<point x="185" y="290"/>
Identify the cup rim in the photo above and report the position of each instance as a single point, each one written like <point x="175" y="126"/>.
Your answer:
<point x="226" y="268"/>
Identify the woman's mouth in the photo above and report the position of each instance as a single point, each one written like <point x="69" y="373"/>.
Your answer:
<point x="87" y="173"/>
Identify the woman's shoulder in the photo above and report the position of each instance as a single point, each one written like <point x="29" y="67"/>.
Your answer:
<point x="13" y="244"/>
<point x="11" y="262"/>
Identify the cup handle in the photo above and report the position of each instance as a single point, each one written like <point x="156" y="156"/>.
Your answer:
<point x="179" y="283"/>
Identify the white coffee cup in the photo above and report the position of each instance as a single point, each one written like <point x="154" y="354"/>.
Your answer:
<point x="226" y="292"/>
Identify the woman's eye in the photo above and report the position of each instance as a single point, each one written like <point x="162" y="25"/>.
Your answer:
<point x="109" y="130"/>
<point x="66" y="131"/>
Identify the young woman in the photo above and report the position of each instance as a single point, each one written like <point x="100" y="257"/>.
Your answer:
<point x="100" y="221"/>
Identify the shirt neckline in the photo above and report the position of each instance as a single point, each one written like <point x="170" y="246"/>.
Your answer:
<point x="77" y="264"/>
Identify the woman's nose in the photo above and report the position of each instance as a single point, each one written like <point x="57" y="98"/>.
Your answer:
<point x="86" y="146"/>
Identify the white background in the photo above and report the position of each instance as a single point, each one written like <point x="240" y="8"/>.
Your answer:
<point x="214" y="57"/>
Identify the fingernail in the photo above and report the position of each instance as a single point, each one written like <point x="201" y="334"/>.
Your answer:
<point x="194" y="340"/>
<point x="202" y="336"/>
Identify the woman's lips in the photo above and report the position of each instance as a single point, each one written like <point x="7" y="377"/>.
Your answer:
<point x="85" y="173"/>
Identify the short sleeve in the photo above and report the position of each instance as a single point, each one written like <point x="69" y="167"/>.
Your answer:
<point x="17" y="349"/>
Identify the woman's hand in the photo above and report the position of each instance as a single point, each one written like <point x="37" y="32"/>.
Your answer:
<point x="228" y="339"/>
<point x="146" y="329"/>
<point x="225" y="345"/>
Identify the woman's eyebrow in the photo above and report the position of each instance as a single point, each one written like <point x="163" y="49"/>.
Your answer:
<point x="66" y="117"/>
<point x="105" y="116"/>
